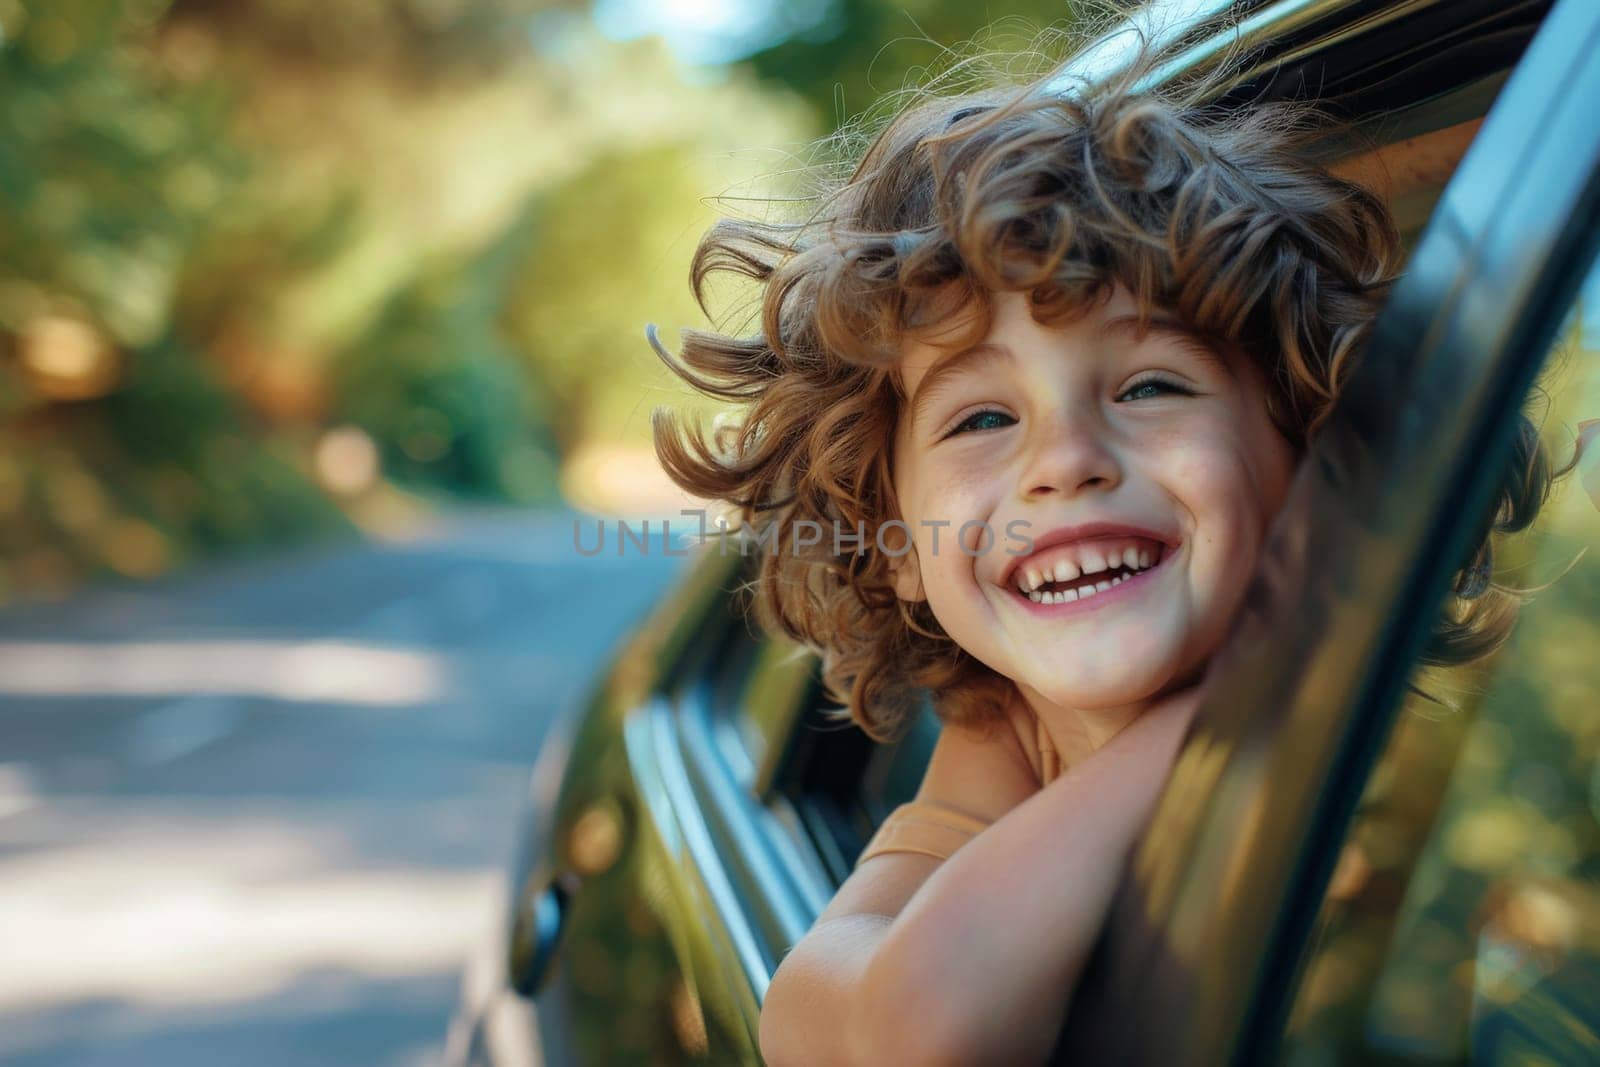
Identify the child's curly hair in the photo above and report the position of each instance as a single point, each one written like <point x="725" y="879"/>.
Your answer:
<point x="1213" y="214"/>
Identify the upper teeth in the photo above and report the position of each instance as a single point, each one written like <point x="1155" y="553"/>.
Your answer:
<point x="1092" y="559"/>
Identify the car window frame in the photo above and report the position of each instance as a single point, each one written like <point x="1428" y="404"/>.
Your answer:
<point x="1216" y="902"/>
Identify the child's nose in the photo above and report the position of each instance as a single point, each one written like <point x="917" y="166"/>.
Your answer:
<point x="1070" y="452"/>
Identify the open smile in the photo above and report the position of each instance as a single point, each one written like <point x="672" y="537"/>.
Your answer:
<point x="1107" y="591"/>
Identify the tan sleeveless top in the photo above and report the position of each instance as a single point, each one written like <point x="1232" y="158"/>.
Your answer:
<point x="936" y="830"/>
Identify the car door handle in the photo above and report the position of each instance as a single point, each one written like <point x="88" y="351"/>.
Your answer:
<point x="541" y="916"/>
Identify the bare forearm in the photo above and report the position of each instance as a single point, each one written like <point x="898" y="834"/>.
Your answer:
<point x="812" y="1013"/>
<point x="988" y="951"/>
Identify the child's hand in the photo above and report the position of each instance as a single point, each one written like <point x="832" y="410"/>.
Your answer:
<point x="1178" y="705"/>
<point x="1163" y="725"/>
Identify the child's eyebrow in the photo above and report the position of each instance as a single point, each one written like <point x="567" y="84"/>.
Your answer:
<point x="1191" y="341"/>
<point x="938" y="376"/>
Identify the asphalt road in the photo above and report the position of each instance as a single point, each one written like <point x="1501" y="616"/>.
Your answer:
<point x="258" y="814"/>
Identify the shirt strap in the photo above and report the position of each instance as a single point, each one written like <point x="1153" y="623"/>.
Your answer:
<point x="923" y="826"/>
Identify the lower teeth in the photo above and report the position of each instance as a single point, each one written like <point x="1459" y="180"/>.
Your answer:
<point x="1066" y="596"/>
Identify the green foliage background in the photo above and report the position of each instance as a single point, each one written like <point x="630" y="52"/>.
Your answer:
<point x="228" y="227"/>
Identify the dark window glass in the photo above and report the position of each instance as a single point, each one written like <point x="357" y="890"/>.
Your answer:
<point x="895" y="771"/>
<point x="1462" y="922"/>
<point x="782" y="679"/>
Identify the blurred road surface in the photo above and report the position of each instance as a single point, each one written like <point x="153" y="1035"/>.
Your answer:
<point x="259" y="814"/>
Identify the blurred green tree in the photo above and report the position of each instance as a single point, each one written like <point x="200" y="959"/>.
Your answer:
<point x="850" y="53"/>
<point x="120" y="451"/>
<point x="430" y="39"/>
<point x="444" y="393"/>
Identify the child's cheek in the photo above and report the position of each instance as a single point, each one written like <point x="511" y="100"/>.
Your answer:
<point x="963" y="494"/>
<point x="1197" y="477"/>
<point x="1217" y="491"/>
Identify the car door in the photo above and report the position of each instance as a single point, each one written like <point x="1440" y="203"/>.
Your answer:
<point x="753" y="803"/>
<point x="709" y="807"/>
<point x="1319" y="884"/>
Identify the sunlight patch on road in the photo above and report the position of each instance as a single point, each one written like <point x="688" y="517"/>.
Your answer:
<point x="334" y="672"/>
<point x="221" y="915"/>
<point x="18" y="788"/>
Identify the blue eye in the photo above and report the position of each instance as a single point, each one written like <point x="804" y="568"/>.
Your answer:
<point x="992" y="419"/>
<point x="1157" y="383"/>
<point x="982" y="420"/>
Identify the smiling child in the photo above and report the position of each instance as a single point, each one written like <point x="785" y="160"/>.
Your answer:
<point x="1154" y="437"/>
<point x="1075" y="343"/>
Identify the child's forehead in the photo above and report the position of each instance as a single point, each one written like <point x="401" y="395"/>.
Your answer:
<point x="969" y="336"/>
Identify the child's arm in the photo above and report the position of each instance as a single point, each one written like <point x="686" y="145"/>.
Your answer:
<point x="977" y="958"/>
<point x="814" y="1011"/>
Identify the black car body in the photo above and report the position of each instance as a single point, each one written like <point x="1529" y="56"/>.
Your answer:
<point x="1337" y="872"/>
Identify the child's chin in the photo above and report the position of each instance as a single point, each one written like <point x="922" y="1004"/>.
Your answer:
<point x="1111" y="694"/>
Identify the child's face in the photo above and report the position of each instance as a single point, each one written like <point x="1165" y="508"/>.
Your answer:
<point x="1082" y="424"/>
